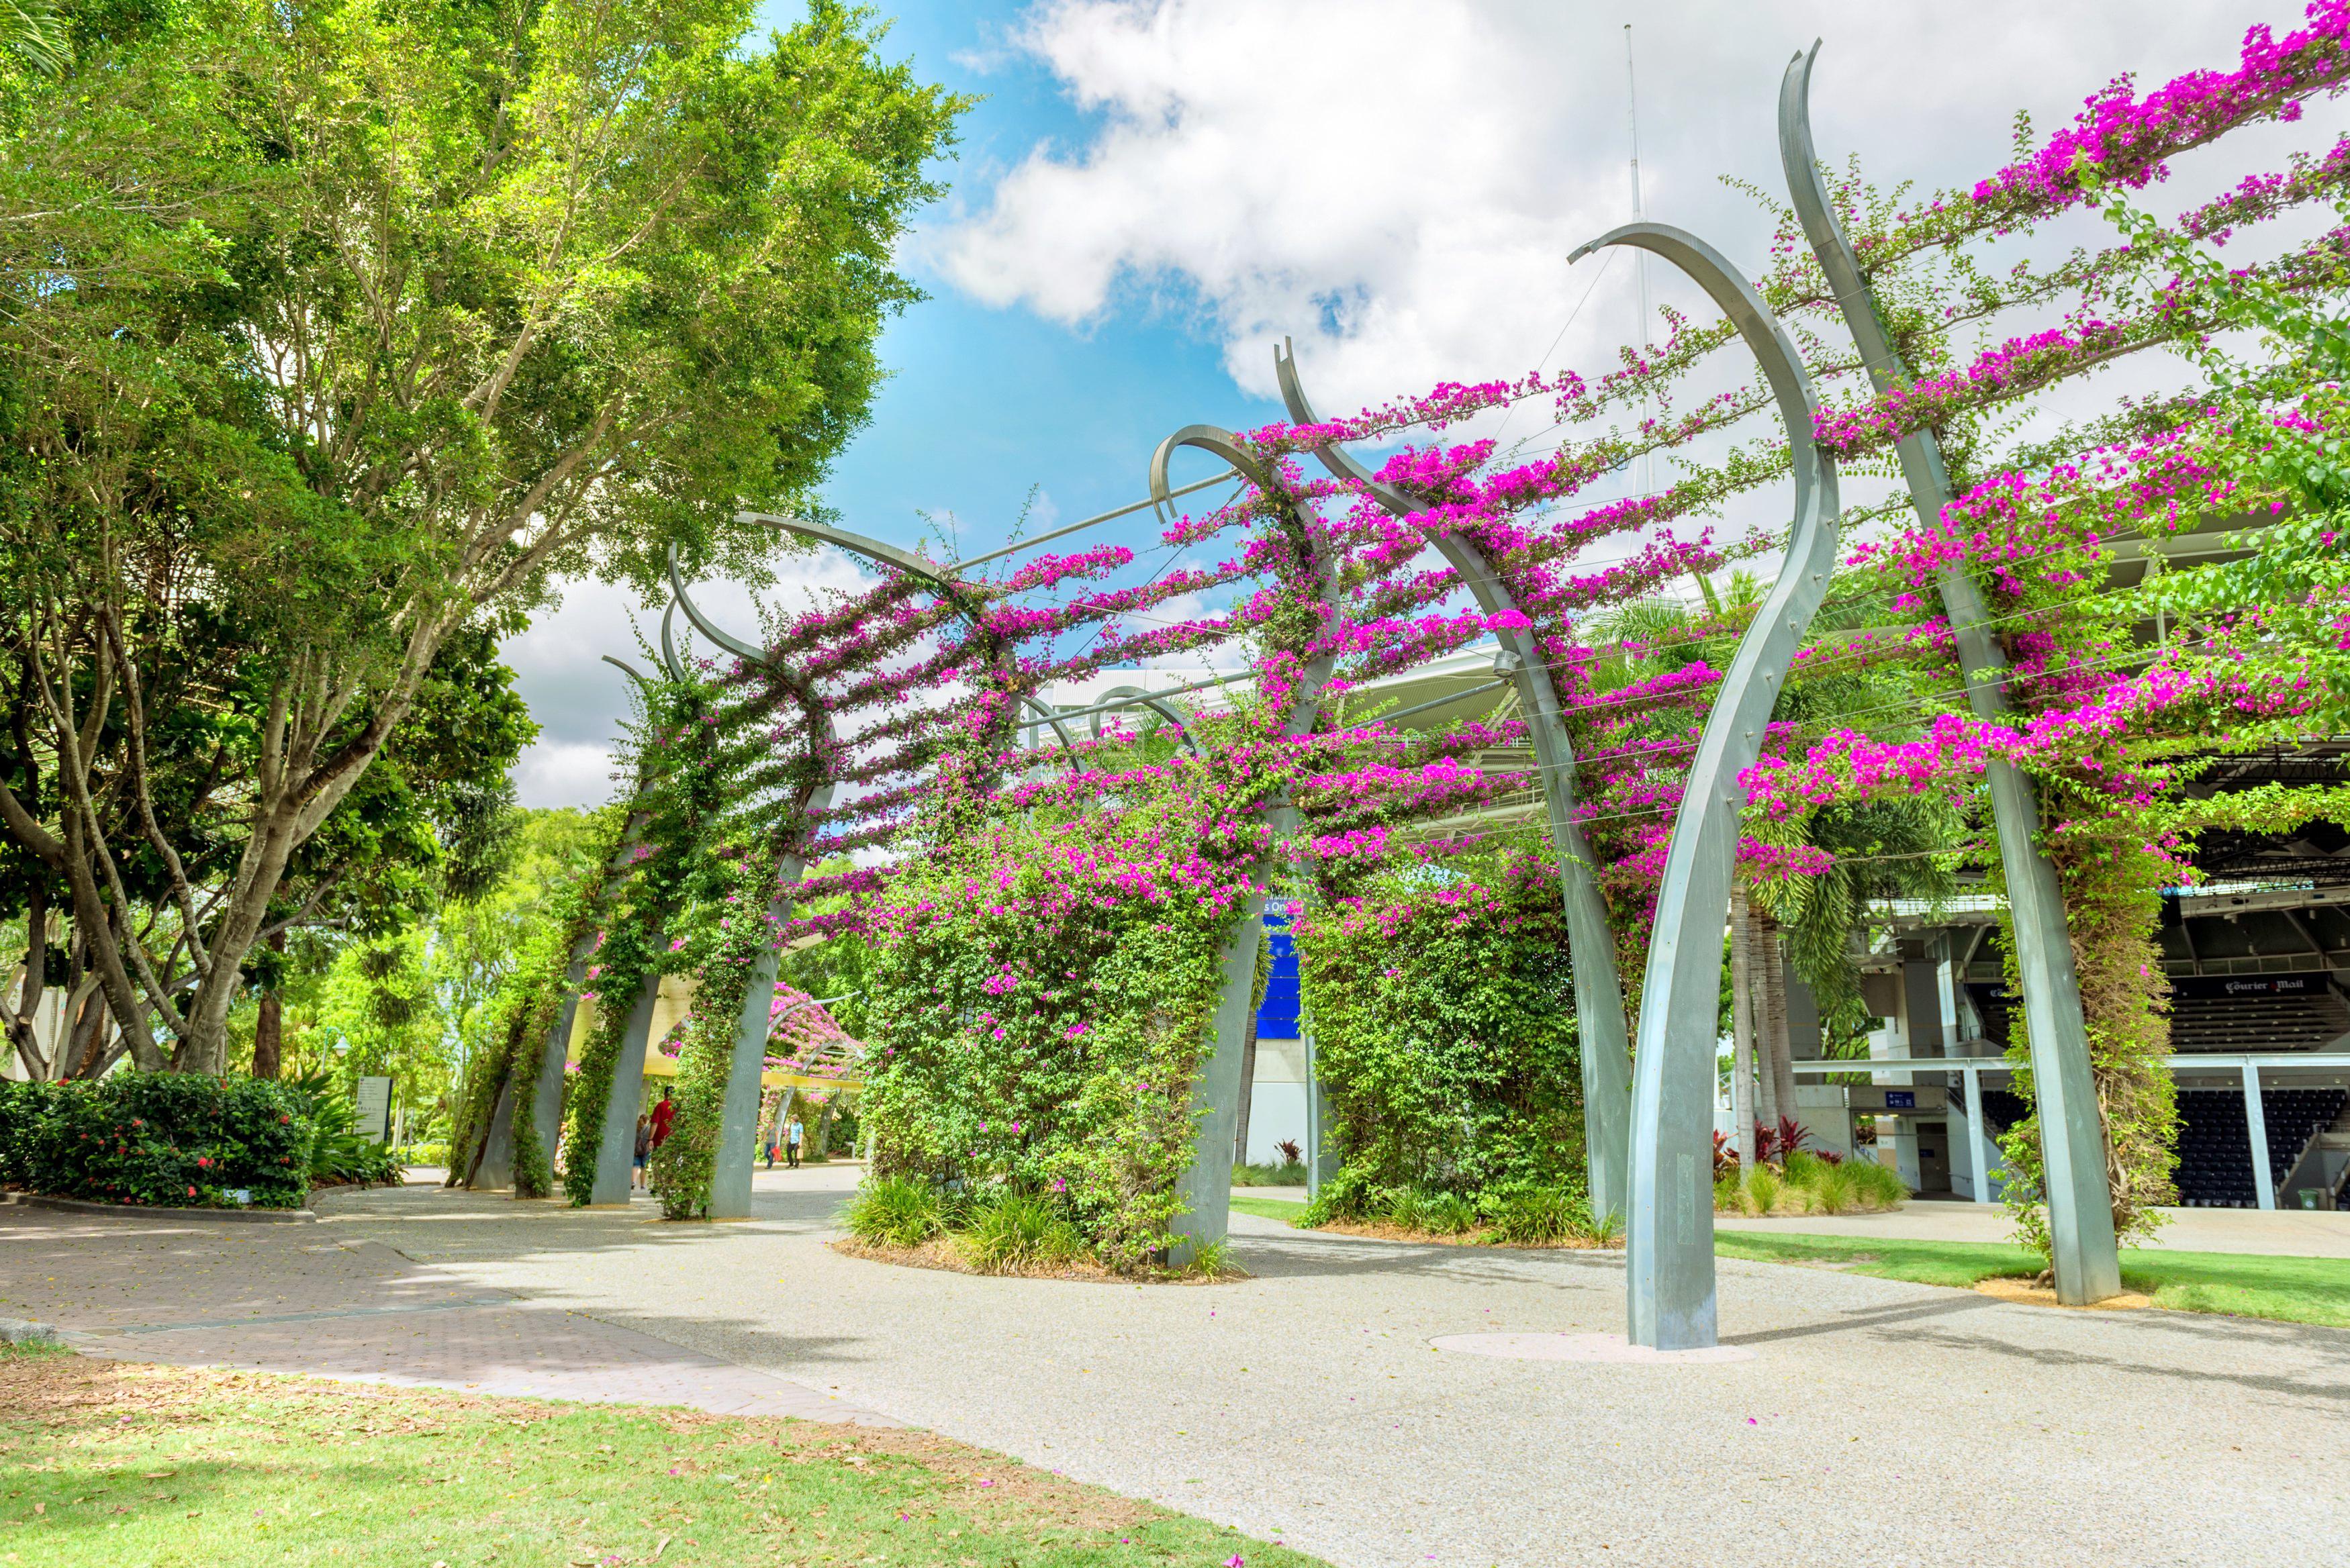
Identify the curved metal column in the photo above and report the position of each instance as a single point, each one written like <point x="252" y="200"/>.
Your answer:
<point x="738" y="1116"/>
<point x="547" y="1092"/>
<point x="615" y="1154"/>
<point x="2080" y="1200"/>
<point x="730" y="1191"/>
<point x="1206" y="1187"/>
<point x="1600" y="1031"/>
<point x="1669" y="1234"/>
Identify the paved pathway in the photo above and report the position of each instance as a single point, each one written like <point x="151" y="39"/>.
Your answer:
<point x="1878" y="1422"/>
<point x="2286" y="1232"/>
<point x="315" y="1299"/>
<point x="2283" y="1233"/>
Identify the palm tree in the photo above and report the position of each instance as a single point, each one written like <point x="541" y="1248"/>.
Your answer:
<point x="34" y="35"/>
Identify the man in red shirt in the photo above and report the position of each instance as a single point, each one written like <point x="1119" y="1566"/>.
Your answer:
<point x="663" y="1114"/>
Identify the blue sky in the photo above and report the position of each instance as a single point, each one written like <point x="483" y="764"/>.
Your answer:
<point x="988" y="401"/>
<point x="1155" y="191"/>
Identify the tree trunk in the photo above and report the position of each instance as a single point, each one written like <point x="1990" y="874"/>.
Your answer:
<point x="88" y="1047"/>
<point x="1758" y="982"/>
<point x="820" y="1141"/>
<point x="1741" y="1029"/>
<point x="1248" y="1091"/>
<point x="23" y="1020"/>
<point x="269" y="1023"/>
<point x="1780" y="1053"/>
<point x="205" y="1047"/>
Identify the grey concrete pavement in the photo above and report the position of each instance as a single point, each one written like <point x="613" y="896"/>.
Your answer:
<point x="285" y="1299"/>
<point x="1878" y="1422"/>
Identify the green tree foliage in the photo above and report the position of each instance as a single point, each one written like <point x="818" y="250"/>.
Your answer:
<point x="333" y="331"/>
<point x="422" y="1003"/>
<point x="1444" y="1023"/>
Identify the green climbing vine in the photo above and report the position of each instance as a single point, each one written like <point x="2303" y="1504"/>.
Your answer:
<point x="675" y="767"/>
<point x="1443" y="1023"/>
<point x="741" y="940"/>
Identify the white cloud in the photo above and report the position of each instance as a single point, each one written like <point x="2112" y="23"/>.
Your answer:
<point x="563" y="773"/>
<point x="1396" y="183"/>
<point x="581" y="702"/>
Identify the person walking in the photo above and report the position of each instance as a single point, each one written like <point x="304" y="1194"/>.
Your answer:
<point x="792" y="1135"/>
<point x="644" y="1150"/>
<point x="663" y="1114"/>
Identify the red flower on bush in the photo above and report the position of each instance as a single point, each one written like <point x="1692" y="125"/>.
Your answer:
<point x="192" y="1192"/>
<point x="202" y="1163"/>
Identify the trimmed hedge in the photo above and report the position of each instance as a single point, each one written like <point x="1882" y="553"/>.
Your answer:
<point x="161" y="1140"/>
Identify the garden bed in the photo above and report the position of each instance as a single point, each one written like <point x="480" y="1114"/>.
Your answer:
<point x="951" y="1255"/>
<point x="1387" y="1230"/>
<point x="1807" y="1184"/>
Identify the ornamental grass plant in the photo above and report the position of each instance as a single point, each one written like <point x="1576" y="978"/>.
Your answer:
<point x="1808" y="1184"/>
<point x="1017" y="1232"/>
<point x="998" y="1231"/>
<point x="895" y="1211"/>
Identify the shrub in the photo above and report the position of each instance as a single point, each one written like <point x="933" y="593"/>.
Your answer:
<point x="1291" y="1151"/>
<point x="895" y="1211"/>
<point x="337" y="1152"/>
<point x="1762" y="1191"/>
<point x="1348" y="1195"/>
<point x="1540" y="1216"/>
<point x="1268" y="1176"/>
<point x="20" y="1103"/>
<point x="1019" y="1231"/>
<point x="1038" y="1016"/>
<point x="1879" y="1186"/>
<point x="1444" y="1027"/>
<point x="166" y="1139"/>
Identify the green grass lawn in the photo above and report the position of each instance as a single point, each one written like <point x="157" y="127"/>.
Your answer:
<point x="2247" y="1285"/>
<point x="2294" y="1290"/>
<point x="107" y="1464"/>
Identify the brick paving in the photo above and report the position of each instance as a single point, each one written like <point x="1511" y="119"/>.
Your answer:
<point x="295" y="1299"/>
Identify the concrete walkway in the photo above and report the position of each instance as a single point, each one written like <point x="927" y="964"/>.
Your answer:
<point x="1878" y="1422"/>
<point x="2290" y="1233"/>
<point x="288" y="1298"/>
<point x="2293" y="1233"/>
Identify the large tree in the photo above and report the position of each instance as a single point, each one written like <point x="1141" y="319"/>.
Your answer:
<point x="333" y="329"/>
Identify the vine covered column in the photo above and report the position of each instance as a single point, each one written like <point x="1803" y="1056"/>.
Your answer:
<point x="1304" y="568"/>
<point x="2084" y="1254"/>
<point x="1603" y="1039"/>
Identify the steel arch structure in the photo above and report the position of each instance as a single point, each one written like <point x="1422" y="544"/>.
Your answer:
<point x="2084" y="1255"/>
<point x="1599" y="990"/>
